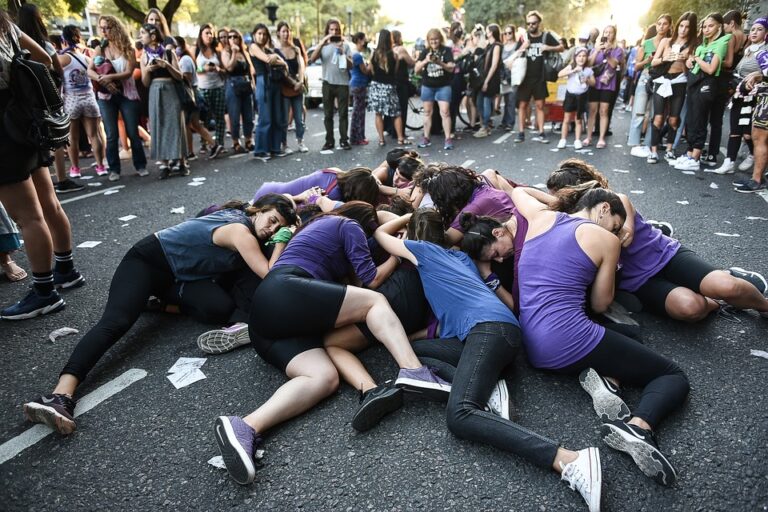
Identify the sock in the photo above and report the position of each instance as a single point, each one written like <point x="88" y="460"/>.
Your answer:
<point x="42" y="282"/>
<point x="64" y="262"/>
<point x="750" y="145"/>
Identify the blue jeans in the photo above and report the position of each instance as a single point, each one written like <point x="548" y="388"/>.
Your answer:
<point x="297" y="103"/>
<point x="478" y="363"/>
<point x="484" y="108"/>
<point x="639" y="107"/>
<point x="130" y="109"/>
<point x="272" y="123"/>
<point x="238" y="106"/>
<point x="510" y="103"/>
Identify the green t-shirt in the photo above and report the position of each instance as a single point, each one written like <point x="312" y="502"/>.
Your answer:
<point x="648" y="49"/>
<point x="717" y="47"/>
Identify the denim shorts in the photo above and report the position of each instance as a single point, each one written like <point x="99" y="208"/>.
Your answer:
<point x="436" y="93"/>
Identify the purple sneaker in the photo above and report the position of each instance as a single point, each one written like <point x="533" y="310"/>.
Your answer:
<point x="237" y="443"/>
<point x="220" y="341"/>
<point x="423" y="380"/>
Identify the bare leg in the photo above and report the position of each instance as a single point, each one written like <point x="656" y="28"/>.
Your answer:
<point x="521" y="119"/>
<point x="688" y="306"/>
<point x="566" y="122"/>
<point x="74" y="146"/>
<point x="399" y="129"/>
<point x="379" y="122"/>
<point x="428" y="118"/>
<point x="760" y="137"/>
<point x="91" y="125"/>
<point x="591" y="119"/>
<point x="540" y="115"/>
<point x="604" y="109"/>
<point x="58" y="165"/>
<point x="736" y="292"/>
<point x="57" y="220"/>
<point x="445" y="116"/>
<point x="20" y="200"/>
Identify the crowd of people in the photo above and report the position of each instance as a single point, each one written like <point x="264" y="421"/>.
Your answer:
<point x="451" y="270"/>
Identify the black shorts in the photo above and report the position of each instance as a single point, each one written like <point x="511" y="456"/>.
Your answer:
<point x="405" y="295"/>
<point x="537" y="89"/>
<point x="16" y="161"/>
<point x="686" y="269"/>
<point x="291" y="312"/>
<point x="575" y="102"/>
<point x="600" y="95"/>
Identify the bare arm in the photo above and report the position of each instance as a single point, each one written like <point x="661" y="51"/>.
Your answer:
<point x="384" y="235"/>
<point x="239" y="238"/>
<point x="605" y="280"/>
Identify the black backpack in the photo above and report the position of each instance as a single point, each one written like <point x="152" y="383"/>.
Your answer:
<point x="35" y="114"/>
<point x="477" y="73"/>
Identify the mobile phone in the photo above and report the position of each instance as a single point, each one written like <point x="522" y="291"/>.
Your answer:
<point x="335" y="39"/>
<point x="603" y="39"/>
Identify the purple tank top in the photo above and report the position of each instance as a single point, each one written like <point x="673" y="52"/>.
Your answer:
<point x="555" y="273"/>
<point x="648" y="253"/>
<point x="522" y="230"/>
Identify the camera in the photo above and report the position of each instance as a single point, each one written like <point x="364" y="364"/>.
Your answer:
<point x="335" y="39"/>
<point x="603" y="39"/>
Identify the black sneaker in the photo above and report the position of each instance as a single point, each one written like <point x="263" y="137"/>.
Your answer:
<point x="56" y="411"/>
<point x="329" y="145"/>
<point x="165" y="173"/>
<point x="375" y="404"/>
<point x="279" y="154"/>
<point x="68" y="185"/>
<point x="754" y="278"/>
<point x="710" y="160"/>
<point x="184" y="170"/>
<point x="33" y="305"/>
<point x="345" y="145"/>
<point x="605" y="396"/>
<point x="665" y="227"/>
<point x="215" y="151"/>
<point x="71" y="279"/>
<point x="750" y="186"/>
<point x="191" y="157"/>
<point x="641" y="445"/>
<point x="520" y="137"/>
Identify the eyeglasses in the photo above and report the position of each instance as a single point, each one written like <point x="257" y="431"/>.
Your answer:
<point x="509" y="33"/>
<point x="103" y="29"/>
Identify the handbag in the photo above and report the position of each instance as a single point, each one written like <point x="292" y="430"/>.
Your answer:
<point x="553" y="63"/>
<point x="106" y="68"/>
<point x="35" y="114"/>
<point x="186" y="94"/>
<point x="242" y="87"/>
<point x="517" y="71"/>
<point x="288" y="87"/>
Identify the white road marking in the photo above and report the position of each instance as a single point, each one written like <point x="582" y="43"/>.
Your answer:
<point x="91" y="194"/>
<point x="319" y="134"/>
<point x="13" y="447"/>
<point x="239" y="155"/>
<point x="467" y="163"/>
<point x="503" y="138"/>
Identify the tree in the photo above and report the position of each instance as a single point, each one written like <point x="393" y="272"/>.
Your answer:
<point x="49" y="8"/>
<point x="701" y="7"/>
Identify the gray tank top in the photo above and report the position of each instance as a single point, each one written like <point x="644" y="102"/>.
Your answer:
<point x="190" y="250"/>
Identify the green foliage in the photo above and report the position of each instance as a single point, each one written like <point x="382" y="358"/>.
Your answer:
<point x="701" y="7"/>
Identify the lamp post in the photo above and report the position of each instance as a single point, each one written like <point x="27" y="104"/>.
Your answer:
<point x="349" y="20"/>
<point x="272" y="12"/>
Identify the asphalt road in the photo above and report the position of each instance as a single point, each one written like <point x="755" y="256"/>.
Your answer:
<point x="147" y="447"/>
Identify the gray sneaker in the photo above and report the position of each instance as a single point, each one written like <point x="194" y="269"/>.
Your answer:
<point x="605" y="397"/>
<point x="220" y="341"/>
<point x="237" y="443"/>
<point x="425" y="381"/>
<point x="142" y="172"/>
<point x="754" y="278"/>
<point x="113" y="176"/>
<point x="640" y="444"/>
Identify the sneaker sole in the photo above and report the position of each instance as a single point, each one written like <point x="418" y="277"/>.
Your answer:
<point x="501" y="385"/>
<point x="651" y="461"/>
<point x="239" y="464"/>
<point x="608" y="406"/>
<point x="430" y="390"/>
<point x="39" y="413"/>
<point x="38" y="312"/>
<point x="220" y="342"/>
<point x="370" y="414"/>
<point x="80" y="281"/>
<point x="69" y="190"/>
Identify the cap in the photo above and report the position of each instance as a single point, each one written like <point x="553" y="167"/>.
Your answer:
<point x="584" y="36"/>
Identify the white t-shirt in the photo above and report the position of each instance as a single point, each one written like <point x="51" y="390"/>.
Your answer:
<point x="6" y="55"/>
<point x="188" y="66"/>
<point x="208" y="79"/>
<point x="577" y="82"/>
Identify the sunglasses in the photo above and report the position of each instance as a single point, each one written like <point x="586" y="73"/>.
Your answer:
<point x="233" y="36"/>
<point x="532" y="23"/>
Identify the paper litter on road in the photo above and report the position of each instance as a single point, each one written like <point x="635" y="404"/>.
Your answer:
<point x="582" y="151"/>
<point x="217" y="462"/>
<point x="326" y="152"/>
<point x="88" y="245"/>
<point x="682" y="202"/>
<point x="554" y="150"/>
<point x="195" y="183"/>
<point x="186" y="363"/>
<point x="58" y="333"/>
<point x="94" y="184"/>
<point x="124" y="225"/>
<point x="529" y="159"/>
<point x="215" y="170"/>
<point x="689" y="173"/>
<point x="759" y="353"/>
<point x="126" y="218"/>
<point x="180" y="209"/>
<point x="618" y="146"/>
<point x="541" y="185"/>
<point x="637" y="191"/>
<point x="756" y="218"/>
<point x="86" y="177"/>
<point x="622" y="171"/>
<point x="728" y="234"/>
<point x="185" y="378"/>
<point x="199" y="178"/>
<point x="713" y="185"/>
<point x="110" y="192"/>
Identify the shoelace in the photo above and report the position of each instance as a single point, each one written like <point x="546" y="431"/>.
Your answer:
<point x="575" y="478"/>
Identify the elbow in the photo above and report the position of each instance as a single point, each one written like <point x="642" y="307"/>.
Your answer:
<point x="601" y="304"/>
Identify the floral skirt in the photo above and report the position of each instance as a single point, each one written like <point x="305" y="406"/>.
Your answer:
<point x="382" y="99"/>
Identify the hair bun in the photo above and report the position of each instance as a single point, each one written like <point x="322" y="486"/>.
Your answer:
<point x="467" y="220"/>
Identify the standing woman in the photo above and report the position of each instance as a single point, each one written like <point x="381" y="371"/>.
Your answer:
<point x="705" y="66"/>
<point x="402" y="79"/>
<point x="27" y="193"/>
<point x="458" y="85"/>
<point x="118" y="94"/>
<point x="492" y="79"/>
<point x="436" y="67"/>
<point x="156" y="17"/>
<point x="607" y="59"/>
<point x="239" y="92"/>
<point x="293" y="97"/>
<point x="210" y="83"/>
<point x="272" y="122"/>
<point x="508" y="55"/>
<point x="358" y="90"/>
<point x="382" y="93"/>
<point x="159" y="69"/>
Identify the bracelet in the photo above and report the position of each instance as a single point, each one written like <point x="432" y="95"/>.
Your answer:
<point x="492" y="281"/>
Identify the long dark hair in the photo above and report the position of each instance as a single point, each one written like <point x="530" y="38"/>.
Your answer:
<point x="383" y="50"/>
<point x="358" y="184"/>
<point x="361" y="212"/>
<point x="478" y="233"/>
<point x="5" y="22"/>
<point x="586" y="196"/>
<point x="693" y="22"/>
<point x="450" y="186"/>
<point x="201" y="46"/>
<point x="261" y="26"/>
<point x="279" y="202"/>
<point x="426" y="225"/>
<point x="163" y="26"/>
<point x="30" y="21"/>
<point x="573" y="171"/>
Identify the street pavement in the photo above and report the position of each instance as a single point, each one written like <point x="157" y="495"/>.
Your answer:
<point x="146" y="447"/>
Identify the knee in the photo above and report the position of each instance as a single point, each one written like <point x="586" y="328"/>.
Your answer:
<point x="324" y="381"/>
<point x="457" y="415"/>
<point x="690" y="307"/>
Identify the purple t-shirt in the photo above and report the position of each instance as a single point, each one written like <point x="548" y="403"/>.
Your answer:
<point x="323" y="178"/>
<point x="487" y="201"/>
<point x="648" y="253"/>
<point x="555" y="273"/>
<point x="328" y="248"/>
<point x="606" y="81"/>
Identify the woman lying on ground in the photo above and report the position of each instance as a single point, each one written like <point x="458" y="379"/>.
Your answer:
<point x="356" y="184"/>
<point x="195" y="250"/>
<point x="667" y="277"/>
<point x="290" y="338"/>
<point x="564" y="257"/>
<point x="480" y="336"/>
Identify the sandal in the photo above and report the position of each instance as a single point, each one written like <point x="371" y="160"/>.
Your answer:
<point x="600" y="145"/>
<point x="12" y="271"/>
<point x="403" y="142"/>
<point x="382" y="142"/>
<point x="586" y="142"/>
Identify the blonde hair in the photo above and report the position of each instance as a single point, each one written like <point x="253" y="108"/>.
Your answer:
<point x="435" y="33"/>
<point x="118" y="36"/>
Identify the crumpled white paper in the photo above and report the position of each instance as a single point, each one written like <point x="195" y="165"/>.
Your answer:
<point x="58" y="333"/>
<point x="185" y="371"/>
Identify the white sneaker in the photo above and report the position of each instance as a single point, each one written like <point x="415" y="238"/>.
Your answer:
<point x="302" y="148"/>
<point x="577" y="144"/>
<point x="747" y="163"/>
<point x="498" y="403"/>
<point x="113" y="176"/>
<point x="585" y="475"/>
<point x="482" y="132"/>
<point x="640" y="151"/>
<point x="561" y="144"/>
<point x="728" y="167"/>
<point x="689" y="164"/>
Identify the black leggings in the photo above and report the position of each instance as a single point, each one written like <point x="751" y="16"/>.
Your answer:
<point x="716" y="114"/>
<point x="660" y="105"/>
<point x="741" y="124"/>
<point x="701" y="97"/>
<point x="665" y="386"/>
